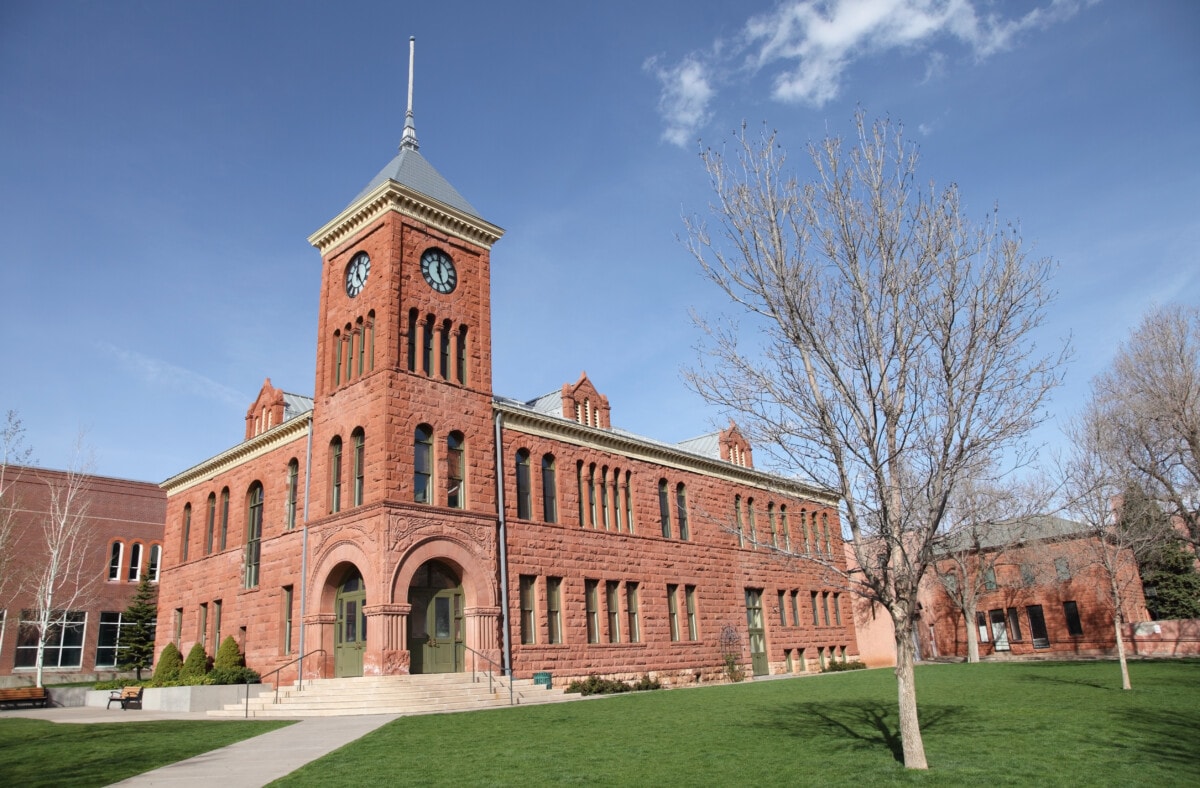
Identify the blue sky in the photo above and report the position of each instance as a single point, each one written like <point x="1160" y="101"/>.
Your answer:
<point x="161" y="165"/>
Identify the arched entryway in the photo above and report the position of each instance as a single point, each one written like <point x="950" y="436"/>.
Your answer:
<point x="435" y="624"/>
<point x="350" y="631"/>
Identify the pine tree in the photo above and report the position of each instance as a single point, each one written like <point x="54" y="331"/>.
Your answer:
<point x="137" y="630"/>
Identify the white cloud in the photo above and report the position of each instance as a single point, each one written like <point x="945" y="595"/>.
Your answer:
<point x="162" y="373"/>
<point x="812" y="43"/>
<point x="686" y="93"/>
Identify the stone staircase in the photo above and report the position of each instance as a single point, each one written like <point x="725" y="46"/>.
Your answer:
<point x="438" y="693"/>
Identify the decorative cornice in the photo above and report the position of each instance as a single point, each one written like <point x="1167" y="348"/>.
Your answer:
<point x="279" y="435"/>
<point x="532" y="423"/>
<point x="393" y="196"/>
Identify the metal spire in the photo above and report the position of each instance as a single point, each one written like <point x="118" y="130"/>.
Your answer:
<point x="409" y="138"/>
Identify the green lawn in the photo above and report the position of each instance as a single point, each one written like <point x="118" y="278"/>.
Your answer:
<point x="1006" y="724"/>
<point x="37" y="752"/>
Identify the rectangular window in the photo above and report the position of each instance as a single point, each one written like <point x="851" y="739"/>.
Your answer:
<point x="999" y="629"/>
<point x="982" y="624"/>
<point x="461" y="339"/>
<point x="837" y="609"/>
<point x="782" y="609"/>
<point x="1074" y="625"/>
<point x="202" y="624"/>
<point x="177" y="638"/>
<point x="590" y="597"/>
<point x="1014" y="624"/>
<point x="795" y="609"/>
<point x="109" y="641"/>
<point x="1062" y="569"/>
<point x="1028" y="577"/>
<point x="612" y="601"/>
<point x="64" y="640"/>
<point x="288" y="603"/>
<point x="816" y="621"/>
<point x="631" y="606"/>
<point x="689" y="593"/>
<point x="825" y="606"/>
<point x="989" y="579"/>
<point x="1037" y="627"/>
<point x="673" y="610"/>
<point x="528" y="619"/>
<point x="216" y="628"/>
<point x="554" y="608"/>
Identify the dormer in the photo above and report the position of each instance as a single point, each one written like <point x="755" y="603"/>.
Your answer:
<point x="266" y="411"/>
<point x="581" y="402"/>
<point x="734" y="447"/>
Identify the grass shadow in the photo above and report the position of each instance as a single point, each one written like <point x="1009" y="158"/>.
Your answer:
<point x="1171" y="735"/>
<point x="865" y="724"/>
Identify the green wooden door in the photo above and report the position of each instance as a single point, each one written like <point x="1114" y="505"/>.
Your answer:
<point x="350" y="635"/>
<point x="435" y="625"/>
<point x="756" y="633"/>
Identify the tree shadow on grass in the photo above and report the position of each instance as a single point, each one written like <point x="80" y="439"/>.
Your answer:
<point x="864" y="724"/>
<point x="1173" y="735"/>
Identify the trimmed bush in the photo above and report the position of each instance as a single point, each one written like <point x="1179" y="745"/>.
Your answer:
<point x="838" y="667"/>
<point x="196" y="664"/>
<point x="170" y="664"/>
<point x="594" y="685"/>
<point x="235" y="675"/>
<point x="228" y="655"/>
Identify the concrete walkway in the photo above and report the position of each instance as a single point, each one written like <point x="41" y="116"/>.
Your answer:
<point x="250" y="763"/>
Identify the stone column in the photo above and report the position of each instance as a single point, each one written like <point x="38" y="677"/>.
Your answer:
<point x="387" y="638"/>
<point x="319" y="634"/>
<point x="483" y="635"/>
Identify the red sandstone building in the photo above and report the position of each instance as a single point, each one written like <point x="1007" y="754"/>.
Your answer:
<point x="122" y="537"/>
<point x="407" y="519"/>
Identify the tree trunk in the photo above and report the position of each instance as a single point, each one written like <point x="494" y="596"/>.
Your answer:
<point x="41" y="654"/>
<point x="972" y="633"/>
<point x="1119" y="624"/>
<point x="910" y="726"/>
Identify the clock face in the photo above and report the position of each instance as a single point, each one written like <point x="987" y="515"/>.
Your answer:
<point x="356" y="273"/>
<point x="438" y="270"/>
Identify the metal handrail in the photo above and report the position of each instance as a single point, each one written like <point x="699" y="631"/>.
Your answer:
<point x="299" y="678"/>
<point x="491" y="663"/>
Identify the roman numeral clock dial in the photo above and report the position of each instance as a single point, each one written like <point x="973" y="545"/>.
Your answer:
<point x="438" y="270"/>
<point x="356" y="273"/>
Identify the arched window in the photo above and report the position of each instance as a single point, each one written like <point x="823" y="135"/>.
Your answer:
<point x="592" y="494"/>
<point x="370" y="334"/>
<point x="224" y="516"/>
<point x="664" y="507"/>
<point x="771" y="522"/>
<point x="135" y="562"/>
<point x="549" y="490"/>
<point x="427" y="345"/>
<point x="254" y="520"/>
<point x="523" y="494"/>
<point x="360" y="439"/>
<point x="118" y="549"/>
<point x="456" y="467"/>
<point x="186" y="532"/>
<point x="825" y="531"/>
<point x="155" y="562"/>
<point x="753" y="523"/>
<point x="337" y="358"/>
<point x="804" y="531"/>
<point x="293" y="484"/>
<point x="737" y="518"/>
<point x="579" y="490"/>
<point x="616" y="499"/>
<point x="629" y="500"/>
<point x="349" y="340"/>
<point x="361" y="332"/>
<point x="412" y="340"/>
<point x="335" y="474"/>
<point x="816" y="535"/>
<point x="462" y="355"/>
<point x="681" y="511"/>
<point x="787" y="530"/>
<point x="444" y="348"/>
<point x="604" y="498"/>
<point x="210" y="524"/>
<point x="423" y="464"/>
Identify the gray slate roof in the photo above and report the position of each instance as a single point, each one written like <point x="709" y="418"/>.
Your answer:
<point x="994" y="535"/>
<point x="295" y="404"/>
<point x="708" y="445"/>
<point x="410" y="169"/>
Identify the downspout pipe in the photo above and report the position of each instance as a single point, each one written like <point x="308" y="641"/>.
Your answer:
<point x="503" y="542"/>
<point x="304" y="547"/>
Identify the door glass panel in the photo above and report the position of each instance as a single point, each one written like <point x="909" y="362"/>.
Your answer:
<point x="351" y="635"/>
<point x="442" y="617"/>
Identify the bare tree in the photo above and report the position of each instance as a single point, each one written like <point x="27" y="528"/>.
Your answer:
<point x="1150" y="402"/>
<point x="64" y="577"/>
<point x="1092" y="485"/>
<point x="981" y="527"/>
<point x="16" y="457"/>
<point x="895" y="359"/>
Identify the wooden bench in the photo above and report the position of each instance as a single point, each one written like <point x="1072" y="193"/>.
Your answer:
<point x="14" y="695"/>
<point x="125" y="697"/>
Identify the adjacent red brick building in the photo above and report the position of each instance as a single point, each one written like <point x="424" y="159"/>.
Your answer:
<point x="407" y="519"/>
<point x="122" y="538"/>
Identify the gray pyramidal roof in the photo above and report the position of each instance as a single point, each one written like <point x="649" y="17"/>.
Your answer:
<point x="410" y="169"/>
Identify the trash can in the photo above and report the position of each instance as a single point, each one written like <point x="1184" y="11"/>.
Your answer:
<point x="542" y="678"/>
